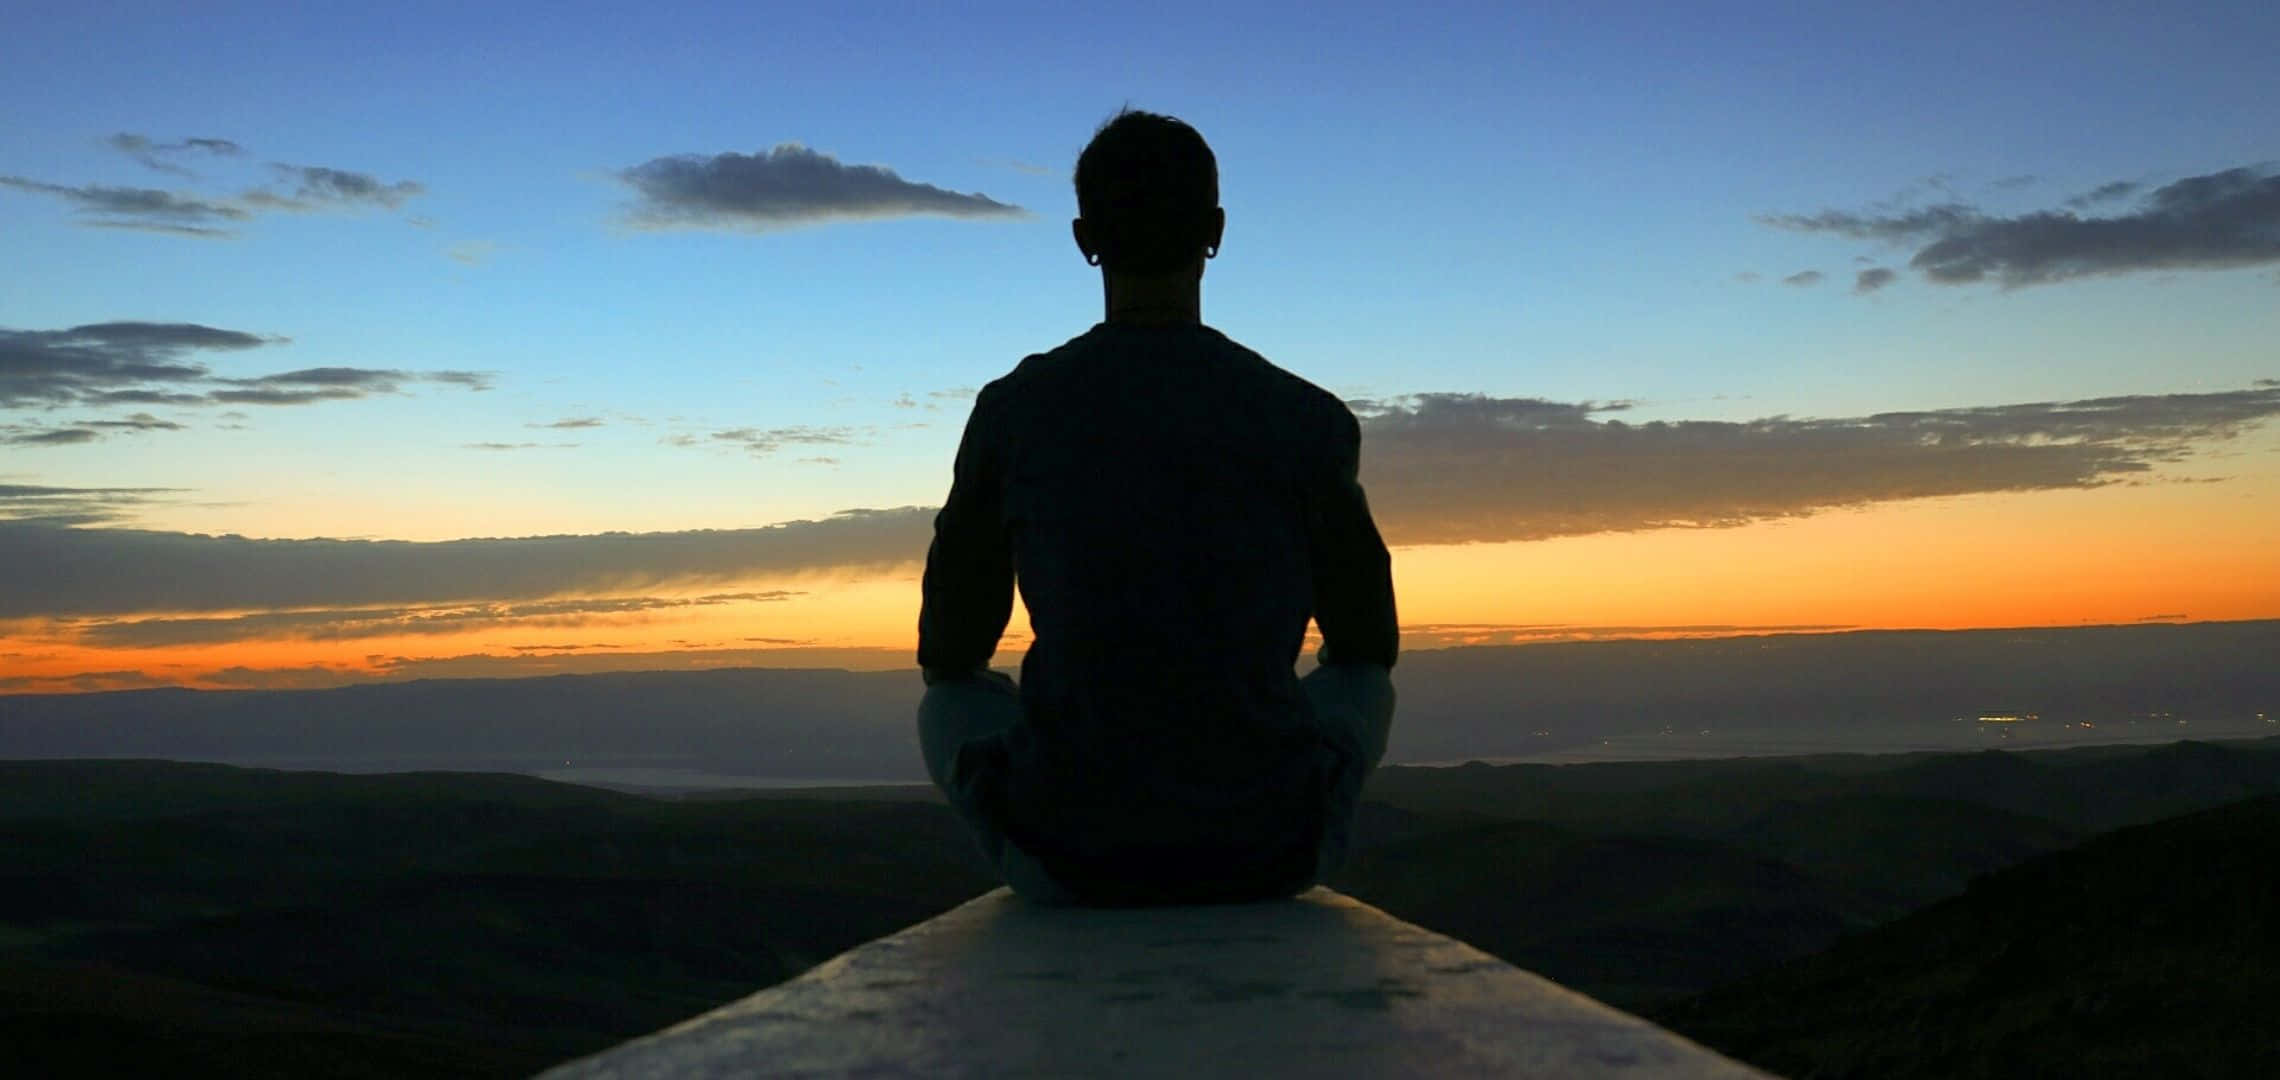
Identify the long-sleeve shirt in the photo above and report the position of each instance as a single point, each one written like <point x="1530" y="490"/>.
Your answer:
<point x="1174" y="509"/>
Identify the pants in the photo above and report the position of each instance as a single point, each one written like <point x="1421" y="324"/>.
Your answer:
<point x="1354" y="703"/>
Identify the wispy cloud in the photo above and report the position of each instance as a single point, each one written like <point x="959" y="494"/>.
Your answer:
<point x="52" y="437"/>
<point x="83" y="431"/>
<point x="356" y="623"/>
<point x="764" y="441"/>
<point x="305" y="189"/>
<point x="571" y="423"/>
<point x="2215" y="221"/>
<point x="172" y="211"/>
<point x="1874" y="278"/>
<point x="2107" y="192"/>
<point x="789" y="185"/>
<point x="150" y="363"/>
<point x="158" y="155"/>
<point x="1803" y="278"/>
<point x="317" y="188"/>
<point x="1453" y="635"/>
<point x="39" y="504"/>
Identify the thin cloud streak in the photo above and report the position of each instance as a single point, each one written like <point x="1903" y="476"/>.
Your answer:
<point x="353" y="624"/>
<point x="171" y="208"/>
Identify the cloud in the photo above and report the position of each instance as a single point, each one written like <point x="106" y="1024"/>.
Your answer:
<point x="82" y="682"/>
<point x="2103" y="193"/>
<point x="1440" y="469"/>
<point x="1748" y="277"/>
<point x="171" y="209"/>
<point x="764" y="441"/>
<point x="161" y="227"/>
<point x="570" y="423"/>
<point x="317" y="188"/>
<point x="2013" y="183"/>
<point x="1803" y="278"/>
<point x="1887" y="227"/>
<point x="312" y="188"/>
<point x="146" y="363"/>
<point x="54" y="437"/>
<point x="38" y="504"/>
<point x="136" y="422"/>
<point x="1874" y="278"/>
<point x="354" y="624"/>
<point x="2216" y="221"/>
<point x="1456" y="635"/>
<point x="142" y="149"/>
<point x="1463" y="468"/>
<point x="472" y="380"/>
<point x="787" y="186"/>
<point x="55" y="367"/>
<point x="83" y="431"/>
<point x="111" y="571"/>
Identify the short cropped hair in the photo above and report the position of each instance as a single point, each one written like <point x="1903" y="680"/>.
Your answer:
<point x="1146" y="187"/>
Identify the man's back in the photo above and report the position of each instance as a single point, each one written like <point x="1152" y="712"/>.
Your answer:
<point x="1177" y="508"/>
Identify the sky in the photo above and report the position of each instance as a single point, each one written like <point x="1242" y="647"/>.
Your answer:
<point x="344" y="345"/>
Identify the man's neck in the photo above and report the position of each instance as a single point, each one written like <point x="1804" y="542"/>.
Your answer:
<point x="1158" y="300"/>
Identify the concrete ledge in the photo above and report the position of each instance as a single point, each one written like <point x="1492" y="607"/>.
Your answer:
<point x="1322" y="985"/>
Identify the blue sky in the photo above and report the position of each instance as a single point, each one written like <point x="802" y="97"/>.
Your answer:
<point x="1564" y="202"/>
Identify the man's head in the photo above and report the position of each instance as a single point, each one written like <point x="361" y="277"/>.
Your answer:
<point x="1147" y="196"/>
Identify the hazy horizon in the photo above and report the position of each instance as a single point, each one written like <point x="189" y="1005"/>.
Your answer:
<point x="1625" y="699"/>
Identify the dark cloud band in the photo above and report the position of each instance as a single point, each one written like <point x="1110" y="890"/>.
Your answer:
<point x="46" y="570"/>
<point x="1440" y="469"/>
<point x="1456" y="468"/>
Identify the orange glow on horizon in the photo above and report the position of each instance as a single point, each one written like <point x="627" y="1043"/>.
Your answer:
<point x="2125" y="554"/>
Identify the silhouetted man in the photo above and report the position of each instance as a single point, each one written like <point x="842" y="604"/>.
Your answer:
<point x="1175" y="508"/>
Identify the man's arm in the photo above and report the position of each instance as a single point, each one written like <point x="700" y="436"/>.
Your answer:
<point x="967" y="593"/>
<point x="1353" y="573"/>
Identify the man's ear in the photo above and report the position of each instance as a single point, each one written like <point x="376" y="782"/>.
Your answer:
<point x="1218" y="227"/>
<point x="1083" y="234"/>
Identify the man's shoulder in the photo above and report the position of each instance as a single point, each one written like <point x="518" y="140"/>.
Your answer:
<point x="1033" y="367"/>
<point x="1259" y="373"/>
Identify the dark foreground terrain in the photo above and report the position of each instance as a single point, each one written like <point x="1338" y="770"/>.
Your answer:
<point x="1824" y="916"/>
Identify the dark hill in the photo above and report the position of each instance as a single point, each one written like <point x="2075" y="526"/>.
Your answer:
<point x="207" y="920"/>
<point x="2150" y="951"/>
<point x="1633" y="918"/>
